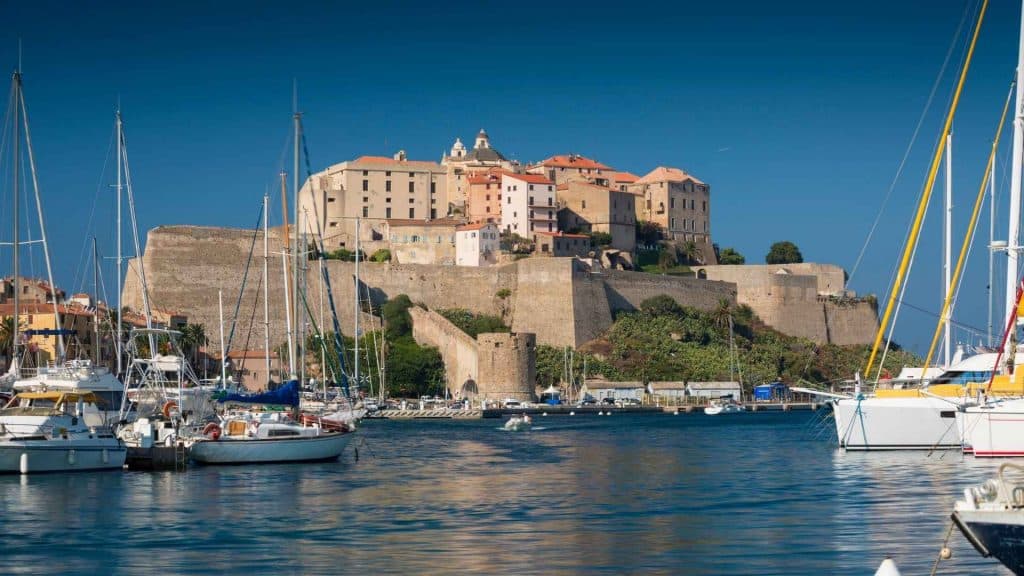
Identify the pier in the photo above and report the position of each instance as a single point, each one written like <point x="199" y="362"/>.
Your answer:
<point x="569" y="409"/>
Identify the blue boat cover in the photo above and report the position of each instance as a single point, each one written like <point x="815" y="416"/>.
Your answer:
<point x="286" y="394"/>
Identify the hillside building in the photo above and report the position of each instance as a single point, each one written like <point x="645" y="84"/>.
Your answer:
<point x="561" y="169"/>
<point x="422" y="241"/>
<point x="483" y="196"/>
<point x="528" y="204"/>
<point x="680" y="203"/>
<point x="477" y="244"/>
<point x="586" y="207"/>
<point x="460" y="164"/>
<point x="373" y="189"/>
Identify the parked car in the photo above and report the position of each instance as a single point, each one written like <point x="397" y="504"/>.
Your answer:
<point x="609" y="401"/>
<point x="587" y="402"/>
<point x="631" y="402"/>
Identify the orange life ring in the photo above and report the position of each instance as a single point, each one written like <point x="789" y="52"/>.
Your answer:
<point x="168" y="406"/>
<point x="212" y="430"/>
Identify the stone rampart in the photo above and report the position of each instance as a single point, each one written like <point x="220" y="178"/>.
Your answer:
<point x="458" y="349"/>
<point x="558" y="299"/>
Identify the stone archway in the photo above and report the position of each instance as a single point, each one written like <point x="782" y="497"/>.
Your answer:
<point x="469" y="389"/>
<point x="702" y="274"/>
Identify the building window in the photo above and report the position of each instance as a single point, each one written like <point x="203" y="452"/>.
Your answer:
<point x="584" y="204"/>
<point x="550" y="215"/>
<point x="531" y="213"/>
<point x="433" y="212"/>
<point x="330" y="199"/>
<point x="388" y="199"/>
<point x="531" y="200"/>
<point x="366" y="211"/>
<point x="549" y="226"/>
<point x="433" y="187"/>
<point x="412" y="213"/>
<point x="412" y="186"/>
<point x="366" y="185"/>
<point x="692" y="204"/>
<point x="531" y="226"/>
<point x="671" y="202"/>
<point x="549" y="188"/>
<point x="509" y="199"/>
<point x="704" y="206"/>
<point x="366" y="199"/>
<point x="531" y="187"/>
<point x="488" y="210"/>
<point x="388" y="173"/>
<point x="366" y="172"/>
<point x="333" y="224"/>
<point x="387" y="185"/>
<point x="488" y="197"/>
<point x="672" y="224"/>
<point x="387" y="212"/>
<point x="412" y="200"/>
<point x="433" y="200"/>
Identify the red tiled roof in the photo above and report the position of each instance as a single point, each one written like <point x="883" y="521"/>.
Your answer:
<point x="487" y="177"/>
<point x="562" y="235"/>
<point x="398" y="222"/>
<point x="624" y="177"/>
<point x="42" y="308"/>
<point x="529" y="178"/>
<point x="386" y="160"/>
<point x="474" y="226"/>
<point x="574" y="161"/>
<point x="664" y="174"/>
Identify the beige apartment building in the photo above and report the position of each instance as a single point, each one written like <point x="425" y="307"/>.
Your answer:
<point x="560" y="244"/>
<point x="477" y="244"/>
<point x="561" y="169"/>
<point x="422" y="241"/>
<point x="373" y="189"/>
<point x="483" y="195"/>
<point x="461" y="164"/>
<point x="680" y="203"/>
<point x="587" y="207"/>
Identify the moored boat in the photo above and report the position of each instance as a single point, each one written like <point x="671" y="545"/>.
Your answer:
<point x="991" y="517"/>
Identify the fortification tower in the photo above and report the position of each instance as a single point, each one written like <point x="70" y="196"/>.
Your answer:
<point x="507" y="365"/>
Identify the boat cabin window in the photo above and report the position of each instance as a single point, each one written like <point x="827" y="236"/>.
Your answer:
<point x="278" y="432"/>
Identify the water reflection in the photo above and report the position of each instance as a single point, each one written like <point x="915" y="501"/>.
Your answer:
<point x="752" y="494"/>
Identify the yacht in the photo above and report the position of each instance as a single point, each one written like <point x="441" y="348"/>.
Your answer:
<point x="991" y="517"/>
<point x="52" y="432"/>
<point x="723" y="406"/>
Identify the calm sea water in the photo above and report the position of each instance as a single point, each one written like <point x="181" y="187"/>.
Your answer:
<point x="760" y="493"/>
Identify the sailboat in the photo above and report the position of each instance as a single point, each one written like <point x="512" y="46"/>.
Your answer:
<point x="901" y="415"/>
<point x="50" y="430"/>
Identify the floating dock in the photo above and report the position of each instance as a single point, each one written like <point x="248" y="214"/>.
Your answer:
<point x="567" y="409"/>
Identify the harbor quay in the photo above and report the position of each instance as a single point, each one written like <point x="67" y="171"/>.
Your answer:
<point x="571" y="410"/>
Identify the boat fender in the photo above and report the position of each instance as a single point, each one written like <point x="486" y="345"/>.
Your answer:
<point x="168" y="406"/>
<point x="212" y="430"/>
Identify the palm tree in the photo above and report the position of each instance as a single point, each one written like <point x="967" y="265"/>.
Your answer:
<point x="7" y="335"/>
<point x="722" y="313"/>
<point x="193" y="337"/>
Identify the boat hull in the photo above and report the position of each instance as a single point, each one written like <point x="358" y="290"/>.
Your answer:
<point x="60" y="455"/>
<point x="255" y="450"/>
<point x="994" y="431"/>
<point x="994" y="533"/>
<point x="912" y="423"/>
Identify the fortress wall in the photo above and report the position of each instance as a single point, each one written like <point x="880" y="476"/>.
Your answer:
<point x="626" y="290"/>
<point x="851" y="323"/>
<point x="458" y="349"/>
<point x="544" y="301"/>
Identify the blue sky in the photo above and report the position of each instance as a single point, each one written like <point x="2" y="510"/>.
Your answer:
<point x="796" y="113"/>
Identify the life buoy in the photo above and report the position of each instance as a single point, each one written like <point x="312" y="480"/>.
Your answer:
<point x="168" y="406"/>
<point x="212" y="430"/>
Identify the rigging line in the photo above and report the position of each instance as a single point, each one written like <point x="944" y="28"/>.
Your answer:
<point x="910" y="145"/>
<point x="932" y="173"/>
<point x="961" y="325"/>
<point x="92" y="213"/>
<point x="252" y="318"/>
<point x="245" y="275"/>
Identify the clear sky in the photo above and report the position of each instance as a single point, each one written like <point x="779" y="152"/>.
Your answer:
<point x="796" y="113"/>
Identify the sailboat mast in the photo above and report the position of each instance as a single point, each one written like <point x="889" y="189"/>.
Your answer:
<point x="96" y="292"/>
<point x="295" y="200"/>
<point x="120" y="334"/>
<point x="223" y="358"/>
<point x="991" y="241"/>
<point x="1013" y="237"/>
<point x="947" y="265"/>
<point x="16" y="242"/>
<point x="355" y="333"/>
<point x="266" y="291"/>
<point x="284" y="261"/>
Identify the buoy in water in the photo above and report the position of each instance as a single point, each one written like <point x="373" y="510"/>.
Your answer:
<point x="887" y="568"/>
<point x="573" y="413"/>
<point x="600" y="413"/>
<point x="544" y="414"/>
<point x="945" y="553"/>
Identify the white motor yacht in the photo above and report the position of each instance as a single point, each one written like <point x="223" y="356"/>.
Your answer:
<point x="723" y="407"/>
<point x="991" y="517"/>
<point x="49" y="432"/>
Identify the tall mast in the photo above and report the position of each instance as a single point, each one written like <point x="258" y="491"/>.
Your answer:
<point x="284" y="261"/>
<point x="223" y="357"/>
<point x="120" y="335"/>
<point x="991" y="242"/>
<point x="17" y="245"/>
<point x="1013" y="238"/>
<point x="266" y="291"/>
<point x="96" y="297"/>
<point x="355" y="333"/>
<point x="947" y="264"/>
<point x="297" y="121"/>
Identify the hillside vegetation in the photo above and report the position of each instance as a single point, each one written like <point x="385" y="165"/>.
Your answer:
<point x="666" y="341"/>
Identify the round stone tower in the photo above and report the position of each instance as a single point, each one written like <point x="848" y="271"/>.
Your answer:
<point x="507" y="365"/>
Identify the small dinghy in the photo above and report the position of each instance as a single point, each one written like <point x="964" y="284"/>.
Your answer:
<point x="519" y="423"/>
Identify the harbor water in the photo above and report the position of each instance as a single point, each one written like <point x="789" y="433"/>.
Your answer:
<point x="753" y="493"/>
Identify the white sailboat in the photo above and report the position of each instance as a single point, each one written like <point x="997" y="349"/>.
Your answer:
<point x="59" y="426"/>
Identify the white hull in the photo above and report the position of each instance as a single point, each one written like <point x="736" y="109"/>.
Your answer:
<point x="716" y="410"/>
<point x="994" y="430"/>
<point x="254" y="450"/>
<point x="918" y="423"/>
<point x="76" y="454"/>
